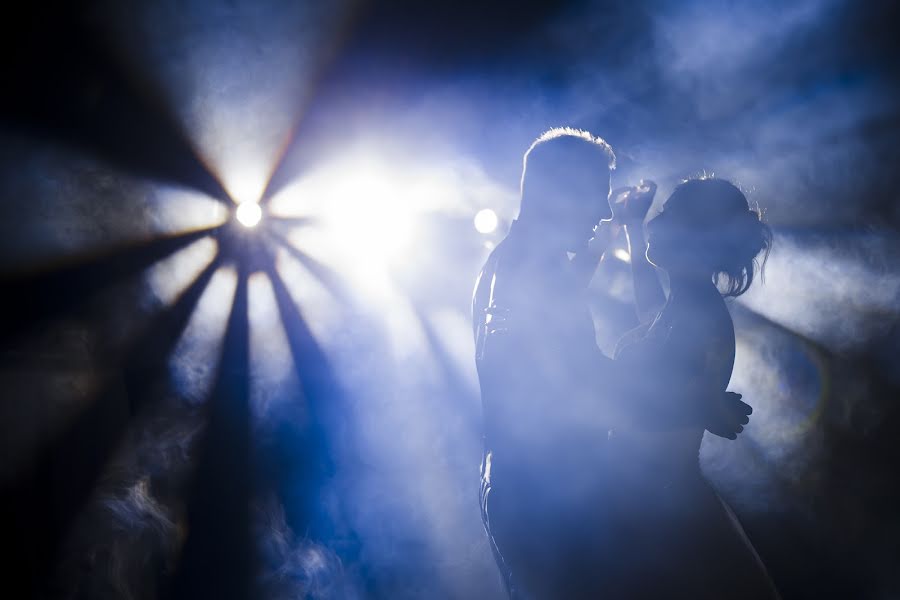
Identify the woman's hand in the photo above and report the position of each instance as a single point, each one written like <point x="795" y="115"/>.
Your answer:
<point x="729" y="415"/>
<point x="630" y="206"/>
<point x="631" y="203"/>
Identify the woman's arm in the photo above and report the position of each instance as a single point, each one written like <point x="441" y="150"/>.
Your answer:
<point x="649" y="297"/>
<point x="631" y="209"/>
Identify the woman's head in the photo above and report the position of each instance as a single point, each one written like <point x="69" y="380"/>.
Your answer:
<point x="707" y="229"/>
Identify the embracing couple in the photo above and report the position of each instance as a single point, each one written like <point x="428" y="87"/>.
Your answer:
<point x="591" y="486"/>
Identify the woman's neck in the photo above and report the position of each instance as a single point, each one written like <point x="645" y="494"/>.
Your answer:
<point x="685" y="285"/>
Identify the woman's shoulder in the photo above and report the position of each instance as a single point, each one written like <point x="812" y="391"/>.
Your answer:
<point x="706" y="320"/>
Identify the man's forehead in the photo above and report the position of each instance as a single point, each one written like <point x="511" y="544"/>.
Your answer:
<point x="583" y="170"/>
<point x="568" y="150"/>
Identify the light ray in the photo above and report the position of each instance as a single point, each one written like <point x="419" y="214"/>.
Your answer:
<point x="171" y="276"/>
<point x="178" y="209"/>
<point x="193" y="361"/>
<point x="307" y="291"/>
<point x="453" y="338"/>
<point x="828" y="293"/>
<point x="273" y="379"/>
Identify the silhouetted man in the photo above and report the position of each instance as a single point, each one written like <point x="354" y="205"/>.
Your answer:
<point x="549" y="395"/>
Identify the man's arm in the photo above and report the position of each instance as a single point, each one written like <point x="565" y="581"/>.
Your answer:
<point x="589" y="257"/>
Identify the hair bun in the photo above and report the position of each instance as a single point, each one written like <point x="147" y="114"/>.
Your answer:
<point x="747" y="238"/>
<point x="734" y="231"/>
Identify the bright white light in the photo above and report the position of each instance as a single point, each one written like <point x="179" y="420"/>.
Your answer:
<point x="622" y="254"/>
<point x="245" y="183"/>
<point x="370" y="211"/>
<point x="248" y="214"/>
<point x="366" y="213"/>
<point x="486" y="221"/>
<point x="372" y="219"/>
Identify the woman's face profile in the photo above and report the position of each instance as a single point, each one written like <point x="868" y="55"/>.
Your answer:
<point x="676" y="238"/>
<point x="698" y="229"/>
<point x="662" y="237"/>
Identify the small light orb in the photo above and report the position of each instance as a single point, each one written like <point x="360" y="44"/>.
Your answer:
<point x="622" y="254"/>
<point x="248" y="214"/>
<point x="486" y="221"/>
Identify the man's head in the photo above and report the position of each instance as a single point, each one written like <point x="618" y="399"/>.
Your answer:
<point x="565" y="185"/>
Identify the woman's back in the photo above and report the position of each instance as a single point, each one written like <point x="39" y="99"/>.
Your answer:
<point x="672" y="524"/>
<point x="685" y="355"/>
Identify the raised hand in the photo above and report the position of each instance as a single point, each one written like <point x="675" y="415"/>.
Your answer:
<point x="631" y="203"/>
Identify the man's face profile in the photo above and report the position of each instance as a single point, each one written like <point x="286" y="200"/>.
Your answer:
<point x="573" y="188"/>
<point x="586" y="201"/>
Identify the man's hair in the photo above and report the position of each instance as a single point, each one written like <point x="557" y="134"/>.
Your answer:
<point x="565" y="137"/>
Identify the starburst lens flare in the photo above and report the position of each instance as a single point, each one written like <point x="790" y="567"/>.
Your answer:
<point x="248" y="214"/>
<point x="486" y="221"/>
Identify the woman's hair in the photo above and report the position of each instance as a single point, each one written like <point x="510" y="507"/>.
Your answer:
<point x="733" y="231"/>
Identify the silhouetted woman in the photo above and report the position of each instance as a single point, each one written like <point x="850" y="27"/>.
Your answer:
<point x="678" y="538"/>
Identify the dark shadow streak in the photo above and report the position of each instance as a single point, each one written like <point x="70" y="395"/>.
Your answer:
<point x="218" y="559"/>
<point x="307" y="459"/>
<point x="30" y="297"/>
<point x="68" y="467"/>
<point x="450" y="375"/>
<point x="64" y="85"/>
<point x="321" y="272"/>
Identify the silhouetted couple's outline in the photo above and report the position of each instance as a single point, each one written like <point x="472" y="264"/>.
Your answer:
<point x="591" y="486"/>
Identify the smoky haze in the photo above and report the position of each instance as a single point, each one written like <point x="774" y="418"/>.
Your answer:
<point x="387" y="128"/>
